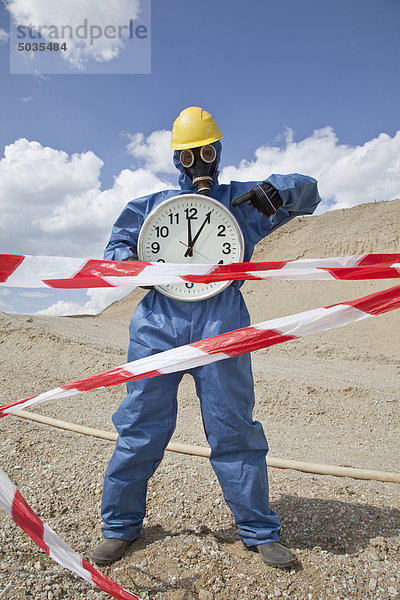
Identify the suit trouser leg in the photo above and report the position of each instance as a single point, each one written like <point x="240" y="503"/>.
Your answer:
<point x="238" y="446"/>
<point x="145" y="422"/>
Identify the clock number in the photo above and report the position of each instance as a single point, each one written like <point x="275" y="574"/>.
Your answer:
<point x="173" y="217"/>
<point x="155" y="247"/>
<point x="221" y="231"/>
<point x="189" y="285"/>
<point x="191" y="213"/>
<point x="162" y="231"/>
<point x="160" y="260"/>
<point x="227" y="248"/>
<point x="220" y="262"/>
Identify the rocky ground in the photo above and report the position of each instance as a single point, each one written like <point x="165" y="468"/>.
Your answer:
<point x="328" y="398"/>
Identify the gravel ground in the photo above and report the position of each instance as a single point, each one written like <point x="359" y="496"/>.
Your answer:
<point x="329" y="398"/>
<point x="345" y="532"/>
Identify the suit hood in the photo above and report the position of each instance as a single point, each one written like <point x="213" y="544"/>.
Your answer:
<point x="184" y="180"/>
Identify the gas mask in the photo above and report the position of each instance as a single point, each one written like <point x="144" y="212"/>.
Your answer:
<point x="200" y="165"/>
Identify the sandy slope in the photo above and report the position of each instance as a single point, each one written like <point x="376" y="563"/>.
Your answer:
<point x="331" y="397"/>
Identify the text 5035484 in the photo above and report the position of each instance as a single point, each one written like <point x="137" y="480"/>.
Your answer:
<point x="41" y="46"/>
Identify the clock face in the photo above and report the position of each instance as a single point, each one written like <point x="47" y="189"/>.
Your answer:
<point x="191" y="228"/>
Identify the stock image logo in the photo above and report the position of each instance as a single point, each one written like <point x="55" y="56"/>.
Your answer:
<point x="103" y="42"/>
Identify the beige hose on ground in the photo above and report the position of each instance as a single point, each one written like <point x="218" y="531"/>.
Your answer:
<point x="278" y="463"/>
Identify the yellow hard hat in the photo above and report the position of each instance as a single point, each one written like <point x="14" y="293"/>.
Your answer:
<point x="193" y="128"/>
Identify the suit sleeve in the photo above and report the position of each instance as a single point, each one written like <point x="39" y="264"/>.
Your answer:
<point x="123" y="241"/>
<point x="299" y="194"/>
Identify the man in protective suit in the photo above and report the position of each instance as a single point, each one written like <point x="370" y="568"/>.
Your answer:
<point x="146" y="418"/>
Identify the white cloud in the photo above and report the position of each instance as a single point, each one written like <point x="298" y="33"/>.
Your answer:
<point x="93" y="209"/>
<point x="52" y="203"/>
<point x="4" y="35"/>
<point x="38" y="77"/>
<point x="33" y="294"/>
<point x="73" y="13"/>
<point x="98" y="300"/>
<point x="26" y="99"/>
<point x="154" y="152"/>
<point x="60" y="309"/>
<point x="347" y="175"/>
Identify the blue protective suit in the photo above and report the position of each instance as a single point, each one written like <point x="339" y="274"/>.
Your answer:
<point x="146" y="417"/>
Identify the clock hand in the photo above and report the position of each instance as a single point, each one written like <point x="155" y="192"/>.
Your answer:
<point x="206" y="257"/>
<point x="196" y="237"/>
<point x="189" y="251"/>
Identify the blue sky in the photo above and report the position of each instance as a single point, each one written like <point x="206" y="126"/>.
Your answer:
<point x="305" y="86"/>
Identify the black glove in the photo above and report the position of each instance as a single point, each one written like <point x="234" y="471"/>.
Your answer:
<point x="263" y="197"/>
<point x="143" y="287"/>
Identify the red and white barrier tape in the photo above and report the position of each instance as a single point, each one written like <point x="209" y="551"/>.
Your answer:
<point x="58" y="550"/>
<point x="17" y="270"/>
<point x="226" y="345"/>
<point x="25" y="271"/>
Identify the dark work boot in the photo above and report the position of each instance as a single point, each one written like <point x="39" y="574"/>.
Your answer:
<point x="276" y="555"/>
<point x="109" y="551"/>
